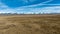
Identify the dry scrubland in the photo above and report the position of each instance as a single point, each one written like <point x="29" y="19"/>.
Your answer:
<point x="30" y="24"/>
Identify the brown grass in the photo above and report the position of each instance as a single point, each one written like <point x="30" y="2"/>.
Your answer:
<point x="30" y="24"/>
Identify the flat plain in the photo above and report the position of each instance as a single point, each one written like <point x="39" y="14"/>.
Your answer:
<point x="30" y="24"/>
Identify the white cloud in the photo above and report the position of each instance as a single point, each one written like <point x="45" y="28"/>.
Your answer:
<point x="46" y="2"/>
<point x="54" y="9"/>
<point x="3" y="6"/>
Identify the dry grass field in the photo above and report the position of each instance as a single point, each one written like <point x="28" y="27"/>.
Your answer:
<point x="30" y="24"/>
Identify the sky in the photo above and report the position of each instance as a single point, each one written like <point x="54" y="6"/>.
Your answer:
<point x="30" y="6"/>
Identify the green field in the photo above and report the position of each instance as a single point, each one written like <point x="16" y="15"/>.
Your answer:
<point x="30" y="24"/>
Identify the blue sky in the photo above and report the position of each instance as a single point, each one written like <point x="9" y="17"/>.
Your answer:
<point x="30" y="6"/>
<point x="19" y="3"/>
